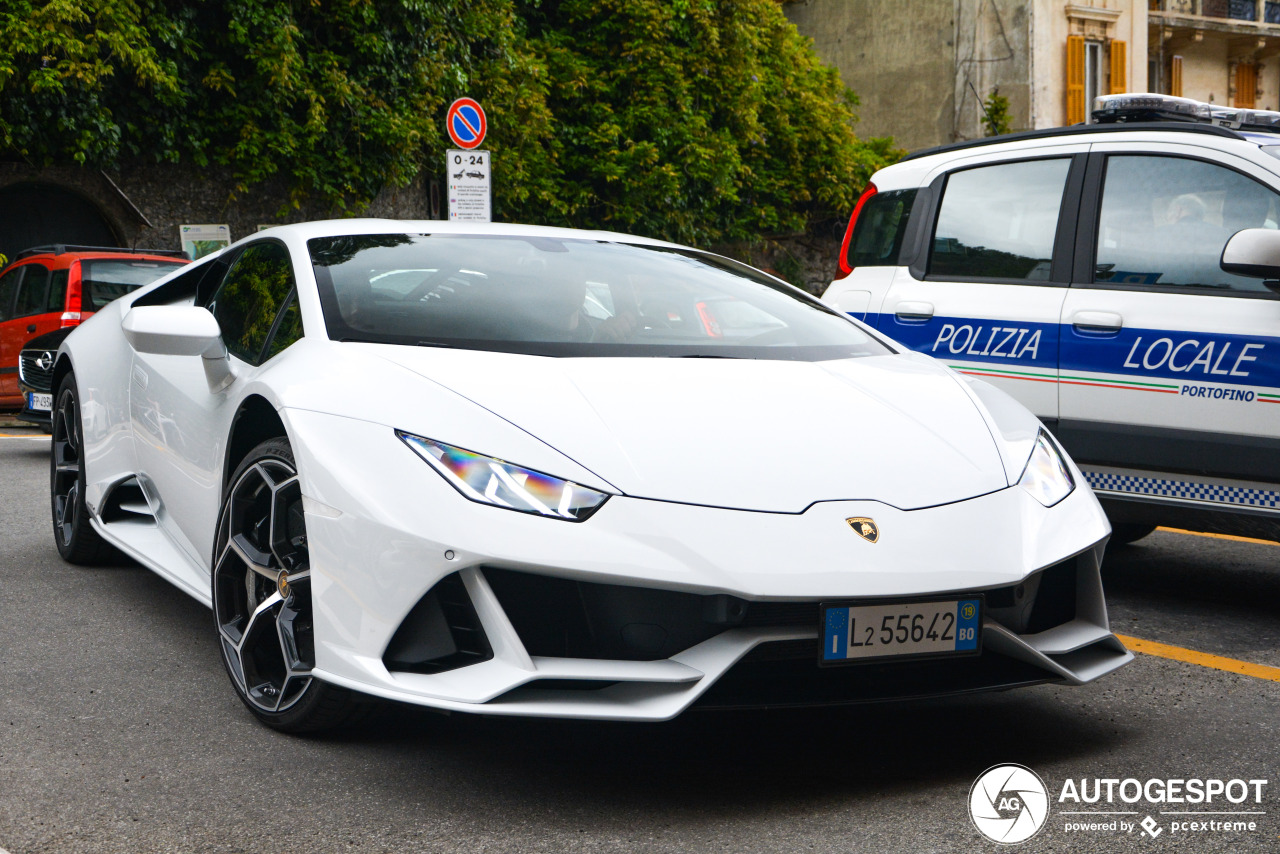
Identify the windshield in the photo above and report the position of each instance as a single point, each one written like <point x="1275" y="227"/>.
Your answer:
<point x="103" y="280"/>
<point x="568" y="297"/>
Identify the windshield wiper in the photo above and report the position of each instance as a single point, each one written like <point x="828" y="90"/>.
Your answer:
<point x="705" y="356"/>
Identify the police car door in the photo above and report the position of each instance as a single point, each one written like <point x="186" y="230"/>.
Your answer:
<point x="985" y="293"/>
<point x="1168" y="364"/>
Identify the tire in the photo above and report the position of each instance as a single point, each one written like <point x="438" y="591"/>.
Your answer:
<point x="262" y="599"/>
<point x="73" y="533"/>
<point x="1129" y="532"/>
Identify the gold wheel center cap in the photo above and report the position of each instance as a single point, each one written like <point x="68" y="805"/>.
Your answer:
<point x="282" y="584"/>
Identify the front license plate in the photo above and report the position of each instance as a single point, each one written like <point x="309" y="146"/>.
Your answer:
<point x="860" y="632"/>
<point x="39" y="402"/>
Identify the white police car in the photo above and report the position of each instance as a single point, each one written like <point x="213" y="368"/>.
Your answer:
<point x="1081" y="269"/>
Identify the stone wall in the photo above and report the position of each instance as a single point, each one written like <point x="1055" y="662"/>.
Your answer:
<point x="145" y="204"/>
<point x="809" y="261"/>
<point x="172" y="195"/>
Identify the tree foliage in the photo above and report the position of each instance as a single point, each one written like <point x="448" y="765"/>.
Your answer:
<point x="697" y="120"/>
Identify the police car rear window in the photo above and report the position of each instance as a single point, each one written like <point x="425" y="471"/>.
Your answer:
<point x="878" y="233"/>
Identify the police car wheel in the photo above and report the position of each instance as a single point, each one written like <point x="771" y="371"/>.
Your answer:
<point x="1125" y="533"/>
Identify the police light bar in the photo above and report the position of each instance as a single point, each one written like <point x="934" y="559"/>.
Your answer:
<point x="1153" y="107"/>
<point x="1148" y="107"/>
<point x="1251" y="119"/>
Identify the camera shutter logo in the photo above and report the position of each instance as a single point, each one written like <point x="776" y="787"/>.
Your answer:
<point x="1009" y="804"/>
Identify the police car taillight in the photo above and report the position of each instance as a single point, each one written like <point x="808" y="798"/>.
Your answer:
<point x="845" y="269"/>
<point x="1148" y="107"/>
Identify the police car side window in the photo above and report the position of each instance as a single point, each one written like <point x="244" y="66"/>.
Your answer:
<point x="1165" y="220"/>
<point x="1000" y="221"/>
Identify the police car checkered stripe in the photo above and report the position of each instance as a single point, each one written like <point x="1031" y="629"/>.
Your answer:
<point x="1186" y="490"/>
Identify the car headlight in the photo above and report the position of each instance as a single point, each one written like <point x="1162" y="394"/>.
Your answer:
<point x="488" y="480"/>
<point x="1046" y="475"/>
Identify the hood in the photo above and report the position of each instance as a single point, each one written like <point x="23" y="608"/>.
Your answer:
<point x="50" y="340"/>
<point x="745" y="434"/>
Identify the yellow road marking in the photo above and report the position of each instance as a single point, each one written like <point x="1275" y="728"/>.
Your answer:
<point x="1203" y="659"/>
<point x="1219" y="536"/>
<point x="22" y="436"/>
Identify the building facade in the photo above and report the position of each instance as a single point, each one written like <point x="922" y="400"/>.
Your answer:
<point x="923" y="68"/>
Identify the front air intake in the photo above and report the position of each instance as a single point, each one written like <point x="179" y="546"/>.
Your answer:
<point x="442" y="632"/>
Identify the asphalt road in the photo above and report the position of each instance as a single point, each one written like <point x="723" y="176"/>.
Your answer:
<point x="119" y="732"/>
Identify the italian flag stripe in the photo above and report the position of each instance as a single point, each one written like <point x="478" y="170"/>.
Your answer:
<point x="1069" y="380"/>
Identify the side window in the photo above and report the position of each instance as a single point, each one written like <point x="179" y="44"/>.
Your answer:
<point x="185" y="287"/>
<point x="1165" y="220"/>
<point x="57" y="301"/>
<point x="250" y="297"/>
<point x="9" y="290"/>
<point x="33" y="291"/>
<point x="1000" y="221"/>
<point x="288" y="329"/>
<point x="882" y="223"/>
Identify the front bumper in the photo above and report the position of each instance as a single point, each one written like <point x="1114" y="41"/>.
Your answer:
<point x="33" y="416"/>
<point x="393" y="546"/>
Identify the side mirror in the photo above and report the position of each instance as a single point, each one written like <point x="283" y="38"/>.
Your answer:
<point x="180" y="330"/>
<point x="1254" y="252"/>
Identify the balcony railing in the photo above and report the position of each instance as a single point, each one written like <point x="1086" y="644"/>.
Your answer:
<point x="1267" y="11"/>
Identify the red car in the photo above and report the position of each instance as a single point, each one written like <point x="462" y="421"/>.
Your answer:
<point x="51" y="287"/>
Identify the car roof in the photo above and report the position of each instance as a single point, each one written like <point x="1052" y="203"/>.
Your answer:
<point x="1116" y="127"/>
<point x="343" y="227"/>
<point x="63" y="255"/>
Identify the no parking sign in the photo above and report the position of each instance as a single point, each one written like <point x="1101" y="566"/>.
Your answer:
<point x="466" y="123"/>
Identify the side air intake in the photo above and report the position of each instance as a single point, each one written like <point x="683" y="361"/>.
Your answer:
<point x="441" y="633"/>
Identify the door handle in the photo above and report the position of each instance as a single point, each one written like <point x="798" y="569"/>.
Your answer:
<point x="1097" y="321"/>
<point x="909" y="310"/>
<point x="31" y="327"/>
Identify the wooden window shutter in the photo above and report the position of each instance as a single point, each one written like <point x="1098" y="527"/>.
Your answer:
<point x="1175" y="76"/>
<point x="1075" y="80"/>
<point x="1119" y="67"/>
<point x="1246" y="85"/>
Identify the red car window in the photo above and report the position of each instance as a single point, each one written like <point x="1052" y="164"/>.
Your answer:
<point x="105" y="279"/>
<point x="8" y="290"/>
<point x="33" y="291"/>
<point x="57" y="292"/>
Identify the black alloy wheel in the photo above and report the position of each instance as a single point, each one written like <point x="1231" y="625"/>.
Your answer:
<point x="73" y="533"/>
<point x="262" y="598"/>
